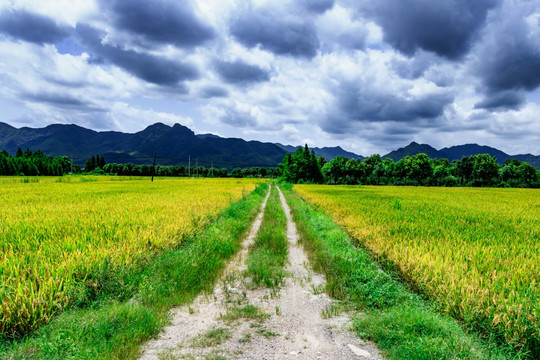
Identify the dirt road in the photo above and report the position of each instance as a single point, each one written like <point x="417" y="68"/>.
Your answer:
<point x="238" y="321"/>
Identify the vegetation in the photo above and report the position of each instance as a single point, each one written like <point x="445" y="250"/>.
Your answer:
<point x="477" y="170"/>
<point x="185" y="171"/>
<point x="136" y="304"/>
<point x="268" y="253"/>
<point x="472" y="250"/>
<point x="418" y="170"/>
<point x="69" y="247"/>
<point x="302" y="166"/>
<point x="34" y="163"/>
<point x="402" y="324"/>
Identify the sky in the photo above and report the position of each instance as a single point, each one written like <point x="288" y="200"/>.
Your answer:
<point x="369" y="76"/>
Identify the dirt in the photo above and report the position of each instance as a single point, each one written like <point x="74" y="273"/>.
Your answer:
<point x="296" y="321"/>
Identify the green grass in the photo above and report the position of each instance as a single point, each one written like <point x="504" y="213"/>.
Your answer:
<point x="268" y="253"/>
<point x="401" y="323"/>
<point x="212" y="338"/>
<point x="109" y="328"/>
<point x="249" y="312"/>
<point x="470" y="250"/>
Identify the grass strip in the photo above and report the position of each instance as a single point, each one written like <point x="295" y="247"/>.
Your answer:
<point x="114" y="329"/>
<point x="268" y="253"/>
<point x="403" y="325"/>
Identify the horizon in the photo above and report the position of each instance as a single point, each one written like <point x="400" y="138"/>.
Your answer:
<point x="362" y="75"/>
<point x="290" y="145"/>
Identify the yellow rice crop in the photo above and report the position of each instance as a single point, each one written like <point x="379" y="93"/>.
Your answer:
<point x="476" y="251"/>
<point x="54" y="235"/>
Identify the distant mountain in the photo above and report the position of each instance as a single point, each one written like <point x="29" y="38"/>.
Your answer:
<point x="413" y="149"/>
<point x="176" y="144"/>
<point x="328" y="152"/>
<point x="459" y="151"/>
<point x="173" y="145"/>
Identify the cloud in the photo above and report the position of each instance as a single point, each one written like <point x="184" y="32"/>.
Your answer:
<point x="237" y="115"/>
<point x="151" y="68"/>
<point x="502" y="100"/>
<point x="445" y="27"/>
<point x="508" y="61"/>
<point x="31" y="27"/>
<point x="161" y="21"/>
<point x="240" y="73"/>
<point x="318" y="6"/>
<point x="276" y="31"/>
<point x="213" y="92"/>
<point x="63" y="101"/>
<point x="358" y="102"/>
<point x="337" y="30"/>
<point x="415" y="67"/>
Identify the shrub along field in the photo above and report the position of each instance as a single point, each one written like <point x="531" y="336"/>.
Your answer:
<point x="475" y="251"/>
<point x="59" y="242"/>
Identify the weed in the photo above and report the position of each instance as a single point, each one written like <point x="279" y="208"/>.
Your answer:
<point x="250" y="312"/>
<point x="212" y="338"/>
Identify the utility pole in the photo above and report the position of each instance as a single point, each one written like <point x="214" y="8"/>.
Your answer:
<point x="197" y="166"/>
<point x="189" y="167"/>
<point x="212" y="169"/>
<point x="71" y="164"/>
<point x="154" y="166"/>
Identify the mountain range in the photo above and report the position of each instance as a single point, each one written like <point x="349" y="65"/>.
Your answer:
<point x="459" y="151"/>
<point x="178" y="144"/>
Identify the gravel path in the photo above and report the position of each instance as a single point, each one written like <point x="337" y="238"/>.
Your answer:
<point x="287" y="323"/>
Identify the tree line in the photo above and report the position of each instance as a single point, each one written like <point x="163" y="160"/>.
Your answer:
<point x="28" y="163"/>
<point x="34" y="163"/>
<point x="418" y="170"/>
<point x="182" y="171"/>
<point x="304" y="167"/>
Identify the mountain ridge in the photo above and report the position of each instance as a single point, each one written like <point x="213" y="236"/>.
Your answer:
<point x="457" y="152"/>
<point x="177" y="144"/>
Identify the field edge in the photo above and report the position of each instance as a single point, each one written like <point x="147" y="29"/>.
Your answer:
<point x="113" y="329"/>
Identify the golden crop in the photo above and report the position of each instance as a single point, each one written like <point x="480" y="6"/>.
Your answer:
<point x="56" y="233"/>
<point x="476" y="251"/>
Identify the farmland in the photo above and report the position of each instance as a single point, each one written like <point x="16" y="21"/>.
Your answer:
<point x="59" y="235"/>
<point x="475" y="251"/>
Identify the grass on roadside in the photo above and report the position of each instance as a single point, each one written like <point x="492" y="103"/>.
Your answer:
<point x="401" y="324"/>
<point x="113" y="329"/>
<point x="268" y="253"/>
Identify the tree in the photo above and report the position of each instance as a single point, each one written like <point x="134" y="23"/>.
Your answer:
<point x="485" y="170"/>
<point x="302" y="166"/>
<point x="527" y="174"/>
<point x="420" y="170"/>
<point x="464" y="169"/>
<point x="237" y="173"/>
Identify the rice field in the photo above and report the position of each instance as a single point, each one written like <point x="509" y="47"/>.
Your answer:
<point x="58" y="234"/>
<point x="475" y="251"/>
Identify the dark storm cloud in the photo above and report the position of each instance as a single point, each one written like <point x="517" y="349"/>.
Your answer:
<point x="359" y="103"/>
<point x="508" y="63"/>
<point x="514" y="65"/>
<point x="318" y="6"/>
<point x="276" y="32"/>
<point x="214" y="92"/>
<point x="162" y="21"/>
<point x="445" y="27"/>
<point x="31" y="27"/>
<point x="151" y="68"/>
<point x="63" y="101"/>
<point x="240" y="73"/>
<point x="503" y="100"/>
